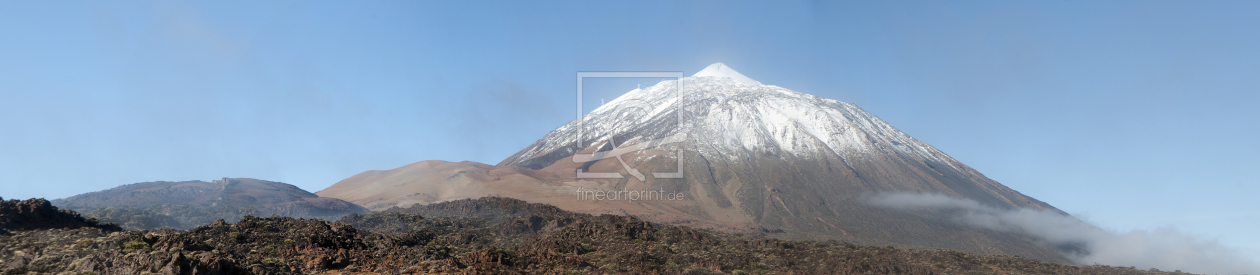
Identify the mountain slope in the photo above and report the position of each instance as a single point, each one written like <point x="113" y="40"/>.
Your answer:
<point x="741" y="127"/>
<point x="432" y="181"/>
<point x="753" y="158"/>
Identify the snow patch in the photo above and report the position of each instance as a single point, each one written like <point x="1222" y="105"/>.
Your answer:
<point x="721" y="70"/>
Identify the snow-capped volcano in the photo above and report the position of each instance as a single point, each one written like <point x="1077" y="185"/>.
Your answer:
<point x="726" y="111"/>
<point x="766" y="155"/>
<point x="743" y="156"/>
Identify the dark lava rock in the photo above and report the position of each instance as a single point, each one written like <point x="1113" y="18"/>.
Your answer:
<point x="46" y="240"/>
<point x="41" y="214"/>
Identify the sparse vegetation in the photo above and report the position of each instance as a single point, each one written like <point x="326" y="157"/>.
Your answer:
<point x="136" y="245"/>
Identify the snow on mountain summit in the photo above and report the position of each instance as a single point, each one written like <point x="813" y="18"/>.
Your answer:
<point x="721" y="70"/>
<point x="734" y="118"/>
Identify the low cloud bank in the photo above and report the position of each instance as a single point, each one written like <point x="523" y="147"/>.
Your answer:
<point x="1163" y="248"/>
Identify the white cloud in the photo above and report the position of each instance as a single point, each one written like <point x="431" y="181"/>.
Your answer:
<point x="1162" y="248"/>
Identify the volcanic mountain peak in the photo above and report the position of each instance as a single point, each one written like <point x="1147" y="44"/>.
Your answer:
<point x="717" y="107"/>
<point x="721" y="70"/>
<point x="748" y="157"/>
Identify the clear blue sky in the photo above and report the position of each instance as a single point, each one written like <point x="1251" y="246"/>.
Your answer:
<point x="1131" y="114"/>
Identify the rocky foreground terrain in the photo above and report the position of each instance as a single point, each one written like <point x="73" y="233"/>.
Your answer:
<point x="483" y="236"/>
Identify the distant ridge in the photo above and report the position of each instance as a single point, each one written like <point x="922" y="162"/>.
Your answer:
<point x="241" y="196"/>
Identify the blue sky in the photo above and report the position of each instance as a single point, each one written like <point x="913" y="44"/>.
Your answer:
<point x="1130" y="114"/>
